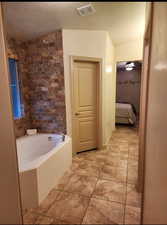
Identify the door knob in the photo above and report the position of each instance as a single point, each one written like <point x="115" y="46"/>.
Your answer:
<point x="77" y="113"/>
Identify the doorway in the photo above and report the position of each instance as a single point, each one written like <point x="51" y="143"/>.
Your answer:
<point x="126" y="136"/>
<point x="128" y="93"/>
<point x="86" y="123"/>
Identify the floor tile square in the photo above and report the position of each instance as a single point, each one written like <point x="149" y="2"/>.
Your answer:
<point x="83" y="185"/>
<point x="69" y="207"/>
<point x="47" y="202"/>
<point x="117" y="174"/>
<point x="103" y="212"/>
<point x="64" y="180"/>
<point x="133" y="197"/>
<point x="32" y="218"/>
<point x="110" y="190"/>
<point x="132" y="215"/>
<point x="58" y="221"/>
<point x="132" y="163"/>
<point x="132" y="175"/>
<point x="97" y="157"/>
<point x="116" y="162"/>
<point x="44" y="220"/>
<point x="91" y="169"/>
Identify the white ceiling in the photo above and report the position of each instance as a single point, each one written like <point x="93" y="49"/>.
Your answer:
<point x="26" y="20"/>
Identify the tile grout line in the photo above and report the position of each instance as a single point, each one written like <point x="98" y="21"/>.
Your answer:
<point x="91" y="197"/>
<point x="45" y="214"/>
<point x="126" y="185"/>
<point x="98" y="178"/>
<point x="78" y="193"/>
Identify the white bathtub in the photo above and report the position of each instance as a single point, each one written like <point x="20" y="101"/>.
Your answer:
<point x="42" y="162"/>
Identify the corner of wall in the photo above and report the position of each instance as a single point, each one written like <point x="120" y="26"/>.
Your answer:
<point x="110" y="89"/>
<point x="130" y="50"/>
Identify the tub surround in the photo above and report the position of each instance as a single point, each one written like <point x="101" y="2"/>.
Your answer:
<point x="41" y="166"/>
<point x="41" y="72"/>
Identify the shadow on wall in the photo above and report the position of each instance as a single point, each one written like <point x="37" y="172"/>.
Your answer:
<point x="41" y="70"/>
<point x="128" y="84"/>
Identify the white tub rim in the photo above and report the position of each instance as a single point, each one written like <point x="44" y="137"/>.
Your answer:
<point x="34" y="164"/>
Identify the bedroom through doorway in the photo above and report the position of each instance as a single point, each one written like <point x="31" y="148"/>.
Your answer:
<point x="126" y="138"/>
<point x="128" y="93"/>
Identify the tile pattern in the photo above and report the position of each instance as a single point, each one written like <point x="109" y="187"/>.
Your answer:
<point x="41" y="74"/>
<point x="98" y="189"/>
<point x="46" y="72"/>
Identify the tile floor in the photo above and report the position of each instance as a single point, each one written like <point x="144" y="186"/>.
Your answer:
<point x="98" y="189"/>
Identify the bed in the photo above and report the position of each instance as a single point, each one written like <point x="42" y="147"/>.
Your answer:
<point x="125" y="114"/>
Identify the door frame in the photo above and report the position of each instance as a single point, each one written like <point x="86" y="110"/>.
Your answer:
<point x="143" y="108"/>
<point x="143" y="130"/>
<point x="98" y="61"/>
<point x="136" y="60"/>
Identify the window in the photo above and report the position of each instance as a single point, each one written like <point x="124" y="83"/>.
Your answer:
<point x="17" y="105"/>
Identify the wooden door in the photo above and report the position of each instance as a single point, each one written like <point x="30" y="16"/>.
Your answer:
<point x="85" y="105"/>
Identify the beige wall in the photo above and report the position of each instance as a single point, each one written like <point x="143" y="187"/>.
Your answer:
<point x="148" y="10"/>
<point x="10" y="209"/>
<point x="95" y="44"/>
<point x="155" y="188"/>
<point x="109" y="90"/>
<point x="129" y="51"/>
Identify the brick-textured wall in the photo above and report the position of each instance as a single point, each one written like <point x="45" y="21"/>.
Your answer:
<point x="42" y="73"/>
<point x="46" y="74"/>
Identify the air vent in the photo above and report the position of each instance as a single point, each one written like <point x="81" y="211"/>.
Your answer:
<point x="86" y="10"/>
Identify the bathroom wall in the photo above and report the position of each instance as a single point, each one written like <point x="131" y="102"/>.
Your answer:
<point x="17" y="50"/>
<point x="46" y="74"/>
<point x="96" y="44"/>
<point x="41" y="70"/>
<point x="109" y="88"/>
<point x="128" y="87"/>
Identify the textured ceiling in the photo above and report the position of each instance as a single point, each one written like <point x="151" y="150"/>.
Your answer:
<point x="27" y="20"/>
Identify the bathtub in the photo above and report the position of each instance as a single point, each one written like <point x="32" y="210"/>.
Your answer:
<point x="42" y="159"/>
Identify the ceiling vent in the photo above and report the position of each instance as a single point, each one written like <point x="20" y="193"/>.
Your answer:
<point x="86" y="10"/>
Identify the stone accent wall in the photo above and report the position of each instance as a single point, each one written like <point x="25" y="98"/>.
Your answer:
<point x="17" y="51"/>
<point x="41" y="71"/>
<point x="46" y="74"/>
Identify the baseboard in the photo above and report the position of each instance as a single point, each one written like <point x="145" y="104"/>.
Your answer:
<point x="106" y="144"/>
<point x="108" y="140"/>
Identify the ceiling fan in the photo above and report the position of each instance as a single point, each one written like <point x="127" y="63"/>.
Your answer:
<point x="129" y="66"/>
